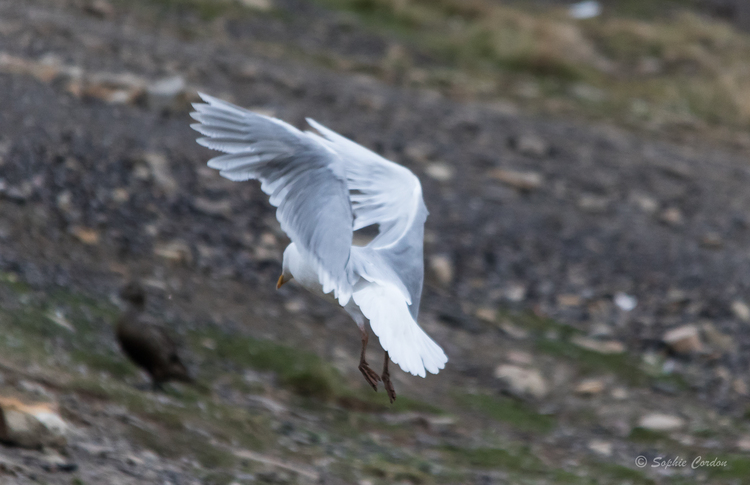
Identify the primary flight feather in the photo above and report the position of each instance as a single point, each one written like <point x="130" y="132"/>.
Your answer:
<point x="325" y="188"/>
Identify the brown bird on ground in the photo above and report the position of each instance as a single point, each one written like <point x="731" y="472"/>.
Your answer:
<point x="146" y="343"/>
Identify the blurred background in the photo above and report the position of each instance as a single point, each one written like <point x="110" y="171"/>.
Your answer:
<point x="585" y="166"/>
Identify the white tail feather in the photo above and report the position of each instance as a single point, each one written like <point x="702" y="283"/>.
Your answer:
<point x="406" y="343"/>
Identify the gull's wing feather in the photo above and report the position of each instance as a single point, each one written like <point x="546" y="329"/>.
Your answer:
<point x="389" y="195"/>
<point x="305" y="179"/>
<point x="407" y="344"/>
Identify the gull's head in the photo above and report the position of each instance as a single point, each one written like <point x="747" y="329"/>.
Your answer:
<point x="286" y="273"/>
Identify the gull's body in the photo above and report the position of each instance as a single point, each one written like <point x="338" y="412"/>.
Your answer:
<point x="326" y="187"/>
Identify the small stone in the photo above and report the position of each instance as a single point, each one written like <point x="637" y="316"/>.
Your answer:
<point x="619" y="393"/>
<point x="262" y="5"/>
<point x="518" y="180"/>
<point x="672" y="216"/>
<point x="649" y="66"/>
<point x="718" y="340"/>
<point x="600" y="346"/>
<point x="684" y="340"/>
<point x="120" y="195"/>
<point x="743" y="444"/>
<point x="64" y="200"/>
<point x="166" y="94"/>
<point x="486" y="313"/>
<point x="712" y="240"/>
<point x="587" y="92"/>
<point x="520" y="357"/>
<point x="85" y="234"/>
<point x="522" y="381"/>
<point x="646" y="203"/>
<point x="176" y="251"/>
<point x="513" y="331"/>
<point x="741" y="310"/>
<point x="442" y="172"/>
<point x="590" y="387"/>
<point x="100" y="451"/>
<point x="601" y="447"/>
<point x="442" y="267"/>
<point x="532" y="145"/>
<point x="220" y="208"/>
<point x="100" y="8"/>
<point x="661" y="422"/>
<point x="569" y="300"/>
<point x="161" y="172"/>
<point x="419" y="152"/>
<point x="740" y="387"/>
<point x="58" y="317"/>
<point x="625" y="302"/>
<point x="31" y="425"/>
<point x="515" y="292"/>
<point x="593" y="204"/>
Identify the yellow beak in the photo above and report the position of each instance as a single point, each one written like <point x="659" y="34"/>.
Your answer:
<point x="281" y="281"/>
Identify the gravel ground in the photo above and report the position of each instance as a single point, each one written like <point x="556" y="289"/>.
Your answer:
<point x="619" y="238"/>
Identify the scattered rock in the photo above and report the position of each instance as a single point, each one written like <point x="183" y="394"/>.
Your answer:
<point x="593" y="204"/>
<point x="716" y="339"/>
<point x="85" y="234"/>
<point x="513" y="331"/>
<point x="58" y="317"/>
<point x="168" y="94"/>
<point x="741" y="310"/>
<point x="619" y="393"/>
<point x="743" y="444"/>
<point x="99" y="8"/>
<point x="600" y="447"/>
<point x="672" y="216"/>
<point x="31" y="425"/>
<point x="684" y="340"/>
<point x="45" y="70"/>
<point x="590" y="387"/>
<point x="740" y="387"/>
<point x="520" y="357"/>
<point x="531" y="145"/>
<point x="442" y="267"/>
<point x="646" y="203"/>
<point x="161" y="172"/>
<point x="442" y="172"/>
<point x="522" y="381"/>
<point x="486" y="313"/>
<point x="220" y="208"/>
<point x="601" y="346"/>
<point x="518" y="180"/>
<point x="625" y="302"/>
<point x="569" y="300"/>
<point x="112" y="88"/>
<point x="120" y="195"/>
<point x="419" y="151"/>
<point x="176" y="251"/>
<point x="515" y="293"/>
<point x="661" y="422"/>
<point x="262" y="5"/>
<point x="712" y="240"/>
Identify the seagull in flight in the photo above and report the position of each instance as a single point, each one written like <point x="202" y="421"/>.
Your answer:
<point x="325" y="187"/>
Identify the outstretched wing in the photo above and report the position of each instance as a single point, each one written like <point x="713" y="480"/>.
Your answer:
<point x="387" y="194"/>
<point x="305" y="179"/>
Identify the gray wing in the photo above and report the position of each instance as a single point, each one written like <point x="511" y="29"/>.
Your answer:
<point x="305" y="179"/>
<point x="389" y="195"/>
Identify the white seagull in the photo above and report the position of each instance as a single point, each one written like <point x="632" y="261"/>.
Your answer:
<point x="325" y="188"/>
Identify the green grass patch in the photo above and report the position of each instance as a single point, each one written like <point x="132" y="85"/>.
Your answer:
<point x="506" y="410"/>
<point x="304" y="373"/>
<point x="737" y="466"/>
